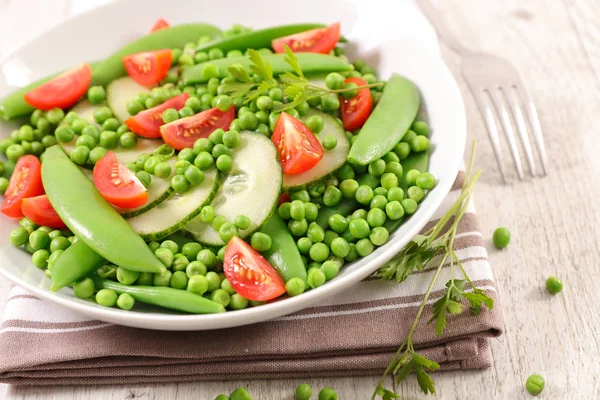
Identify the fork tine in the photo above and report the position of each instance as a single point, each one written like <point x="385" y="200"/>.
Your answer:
<point x="515" y="106"/>
<point x="485" y="108"/>
<point x="498" y="103"/>
<point x="536" y="127"/>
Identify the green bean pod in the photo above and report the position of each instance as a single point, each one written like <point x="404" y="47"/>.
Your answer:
<point x="87" y="214"/>
<point x="344" y="207"/>
<point x="77" y="262"/>
<point x="283" y="254"/>
<point x="166" y="297"/>
<point x="389" y="121"/>
<point x="14" y="105"/>
<point x="311" y="63"/>
<point x="168" y="38"/>
<point x="256" y="39"/>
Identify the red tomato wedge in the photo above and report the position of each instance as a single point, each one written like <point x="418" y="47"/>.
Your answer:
<point x="159" y="24"/>
<point x="249" y="273"/>
<point x="147" y="123"/>
<point x="184" y="132"/>
<point x="26" y="181"/>
<point x="117" y="184"/>
<point x="299" y="149"/>
<point x="39" y="210"/>
<point x="356" y="110"/>
<point x="62" y="91"/>
<point x="148" y="68"/>
<point x="319" y="40"/>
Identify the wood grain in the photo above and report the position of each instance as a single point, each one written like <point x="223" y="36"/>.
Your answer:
<point x="554" y="221"/>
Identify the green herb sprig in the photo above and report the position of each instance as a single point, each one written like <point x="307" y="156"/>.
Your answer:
<point x="415" y="257"/>
<point x="294" y="85"/>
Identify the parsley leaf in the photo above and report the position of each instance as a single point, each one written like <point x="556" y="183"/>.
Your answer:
<point x="260" y="66"/>
<point x="292" y="61"/>
<point x="239" y="73"/>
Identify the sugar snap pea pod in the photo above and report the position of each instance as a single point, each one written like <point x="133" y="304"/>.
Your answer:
<point x="176" y="36"/>
<point x="344" y="207"/>
<point x="257" y="39"/>
<point x="311" y="63"/>
<point x="283" y="254"/>
<point x="91" y="218"/>
<point x="14" y="105"/>
<point x="388" y="122"/>
<point x="166" y="297"/>
<point x="74" y="264"/>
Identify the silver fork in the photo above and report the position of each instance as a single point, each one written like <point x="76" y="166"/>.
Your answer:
<point x="499" y="91"/>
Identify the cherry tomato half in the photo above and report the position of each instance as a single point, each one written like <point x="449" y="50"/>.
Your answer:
<point x="249" y="273"/>
<point x="148" y="68"/>
<point x="159" y="24"/>
<point x="117" y="184"/>
<point x="62" y="91"/>
<point x="299" y="149"/>
<point x="39" y="210"/>
<point x="26" y="181"/>
<point x="356" y="111"/>
<point x="147" y="123"/>
<point x="319" y="40"/>
<point x="184" y="132"/>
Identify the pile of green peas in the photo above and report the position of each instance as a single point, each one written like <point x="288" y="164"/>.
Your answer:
<point x="157" y="95"/>
<point x="155" y="164"/>
<point x="303" y="392"/>
<point x="45" y="244"/>
<point x="228" y="229"/>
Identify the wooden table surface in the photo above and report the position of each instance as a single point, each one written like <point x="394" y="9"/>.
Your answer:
<point x="555" y="221"/>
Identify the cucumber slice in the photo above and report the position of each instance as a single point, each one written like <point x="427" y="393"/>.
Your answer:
<point x="120" y="92"/>
<point x="84" y="109"/>
<point x="332" y="159"/>
<point x="251" y="188"/>
<point x="174" y="213"/>
<point x="158" y="191"/>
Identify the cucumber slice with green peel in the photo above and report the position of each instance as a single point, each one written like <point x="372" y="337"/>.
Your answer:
<point x="120" y="92"/>
<point x="251" y="188"/>
<point x="174" y="213"/>
<point x="159" y="190"/>
<point x="332" y="159"/>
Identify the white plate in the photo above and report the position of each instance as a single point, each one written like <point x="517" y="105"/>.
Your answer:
<point x="392" y="36"/>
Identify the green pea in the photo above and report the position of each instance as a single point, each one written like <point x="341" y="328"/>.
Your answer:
<point x="350" y="90"/>
<point x="412" y="176"/>
<point x="227" y="231"/>
<point x="163" y="169"/>
<point x="185" y="112"/>
<point x="232" y="139"/>
<point x="218" y="221"/>
<point x="180" y="184"/>
<point x="248" y="120"/>
<point x="402" y="150"/>
<point x="165" y="256"/>
<point x="55" y="115"/>
<point x="425" y="181"/>
<point x="273" y="118"/>
<point x="419" y="144"/>
<point x="153" y="246"/>
<point x="377" y="168"/>
<point x="315" y="123"/>
<point x="46" y="229"/>
<point x="200" y="57"/>
<point x="134" y="107"/>
<point x="415" y="193"/>
<point x="19" y="236"/>
<point x="329" y="142"/>
<point x="380" y="191"/>
<point x="206" y="100"/>
<point x="163" y="279"/>
<point x="389" y="180"/>
<point x="298" y="227"/>
<point x="408" y="137"/>
<point x="395" y="194"/>
<point x="197" y="284"/>
<point x="340" y="247"/>
<point x="111" y="124"/>
<point x="40" y="258"/>
<point x="179" y="280"/>
<point x="295" y="287"/>
<point x="304" y="244"/>
<point x="276" y="94"/>
<point x="96" y="94"/>
<point x="242" y="222"/>
<point x="26" y="147"/>
<point x="346" y="173"/>
<point x="238" y="302"/>
<point x="170" y="115"/>
<point x="204" y="160"/>
<point x="84" y="289"/>
<point x="297" y="210"/>
<point x="301" y="195"/>
<point x="203" y="145"/>
<point x="330" y="102"/>
<point x="329" y="237"/>
<point x="14" y="152"/>
<point x="181" y="166"/>
<point x="3" y="185"/>
<point x="315" y="277"/>
<point x="338" y="223"/>
<point x="315" y="233"/>
<point x="302" y="108"/>
<point x="332" y="196"/>
<point x="64" y="134"/>
<point x="171" y="245"/>
<point x="293" y="113"/>
<point x="127" y="277"/>
<point x="221" y="254"/>
<point x="535" y="384"/>
<point x="554" y="285"/>
<point x="59" y="243"/>
<point x="316" y="189"/>
<point x="501" y="237"/>
<point x="194" y="175"/>
<point x="150" y="164"/>
<point x="359" y="228"/>
<point x="145" y="279"/>
<point x="364" y="194"/>
<point x="26" y="133"/>
<point x="378" y="201"/>
<point x="28" y="225"/>
<point x="207" y="214"/>
<point x="420" y="128"/>
<point x="125" y="301"/>
<point x="409" y="205"/>
<point x="221" y="296"/>
<point x="224" y="163"/>
<point x="264" y="103"/>
<point x="352" y="254"/>
<point x="261" y="241"/>
<point x="219" y="150"/>
<point x="195" y="268"/>
<point x="376" y="217"/>
<point x="214" y="281"/>
<point x="311" y="211"/>
<point x="213" y="86"/>
<point x="334" y="81"/>
<point x="364" y="247"/>
<point x="49" y="141"/>
<point x="330" y="269"/>
<point x="285" y="210"/>
<point x="222" y="102"/>
<point x="106" y="297"/>
<point x="128" y="140"/>
<point x="319" y="252"/>
<point x="328" y="393"/>
<point x="379" y="236"/>
<point x="144" y="177"/>
<point x="39" y="239"/>
<point x="87" y="141"/>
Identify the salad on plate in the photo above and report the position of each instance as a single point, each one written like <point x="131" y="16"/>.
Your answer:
<point x="205" y="171"/>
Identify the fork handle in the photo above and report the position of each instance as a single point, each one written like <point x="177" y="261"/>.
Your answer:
<point x="444" y="32"/>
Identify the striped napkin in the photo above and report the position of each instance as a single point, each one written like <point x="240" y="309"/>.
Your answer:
<point x="354" y="333"/>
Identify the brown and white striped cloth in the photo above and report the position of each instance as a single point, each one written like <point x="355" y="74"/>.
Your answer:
<point x="354" y="333"/>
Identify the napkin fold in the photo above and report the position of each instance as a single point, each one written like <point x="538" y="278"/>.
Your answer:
<point x="351" y="334"/>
